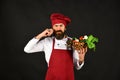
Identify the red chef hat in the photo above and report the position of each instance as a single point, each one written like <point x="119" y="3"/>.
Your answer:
<point x="59" y="18"/>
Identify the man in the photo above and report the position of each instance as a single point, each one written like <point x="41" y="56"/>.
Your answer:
<point x="59" y="58"/>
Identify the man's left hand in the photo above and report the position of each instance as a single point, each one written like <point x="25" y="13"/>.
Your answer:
<point x="81" y="54"/>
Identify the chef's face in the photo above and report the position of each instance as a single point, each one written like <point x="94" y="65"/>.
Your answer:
<point x="59" y="30"/>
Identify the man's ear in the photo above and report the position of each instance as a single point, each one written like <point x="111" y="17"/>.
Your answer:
<point x="65" y="29"/>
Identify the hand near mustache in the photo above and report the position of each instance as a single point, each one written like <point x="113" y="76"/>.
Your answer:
<point x="48" y="32"/>
<point x="45" y="33"/>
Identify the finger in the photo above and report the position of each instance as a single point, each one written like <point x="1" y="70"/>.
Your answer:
<point x="49" y="32"/>
<point x="81" y="51"/>
<point x="85" y="49"/>
<point x="50" y="29"/>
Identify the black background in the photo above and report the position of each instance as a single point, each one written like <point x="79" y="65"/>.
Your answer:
<point x="21" y="20"/>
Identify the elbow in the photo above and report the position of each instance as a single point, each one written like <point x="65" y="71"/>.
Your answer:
<point x="26" y="50"/>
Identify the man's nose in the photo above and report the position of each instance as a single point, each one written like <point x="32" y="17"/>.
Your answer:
<point x="58" y="28"/>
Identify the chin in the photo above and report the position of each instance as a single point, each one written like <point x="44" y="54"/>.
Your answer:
<point x="59" y="37"/>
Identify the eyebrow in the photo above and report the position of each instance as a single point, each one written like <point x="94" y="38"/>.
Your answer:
<point x="58" y="24"/>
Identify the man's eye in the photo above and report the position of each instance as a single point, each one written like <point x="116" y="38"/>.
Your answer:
<point x="56" y="26"/>
<point x="60" y="25"/>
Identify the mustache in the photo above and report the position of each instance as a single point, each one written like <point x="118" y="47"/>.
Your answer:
<point x="58" y="31"/>
<point x="59" y="34"/>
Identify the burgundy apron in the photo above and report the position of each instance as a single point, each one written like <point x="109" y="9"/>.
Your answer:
<point x="60" y="65"/>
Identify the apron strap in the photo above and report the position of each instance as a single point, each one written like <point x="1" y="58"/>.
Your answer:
<point x="53" y="43"/>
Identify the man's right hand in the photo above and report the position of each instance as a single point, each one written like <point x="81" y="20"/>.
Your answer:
<point x="45" y="33"/>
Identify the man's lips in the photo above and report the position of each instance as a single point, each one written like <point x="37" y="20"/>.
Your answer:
<point x="59" y="32"/>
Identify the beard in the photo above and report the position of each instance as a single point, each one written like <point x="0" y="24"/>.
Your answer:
<point x="59" y="34"/>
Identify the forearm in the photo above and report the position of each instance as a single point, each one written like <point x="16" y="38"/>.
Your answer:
<point x="39" y="36"/>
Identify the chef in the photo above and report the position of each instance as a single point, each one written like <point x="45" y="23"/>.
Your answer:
<point x="60" y="59"/>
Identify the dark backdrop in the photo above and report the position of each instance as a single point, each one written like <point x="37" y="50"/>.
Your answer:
<point x="21" y="20"/>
